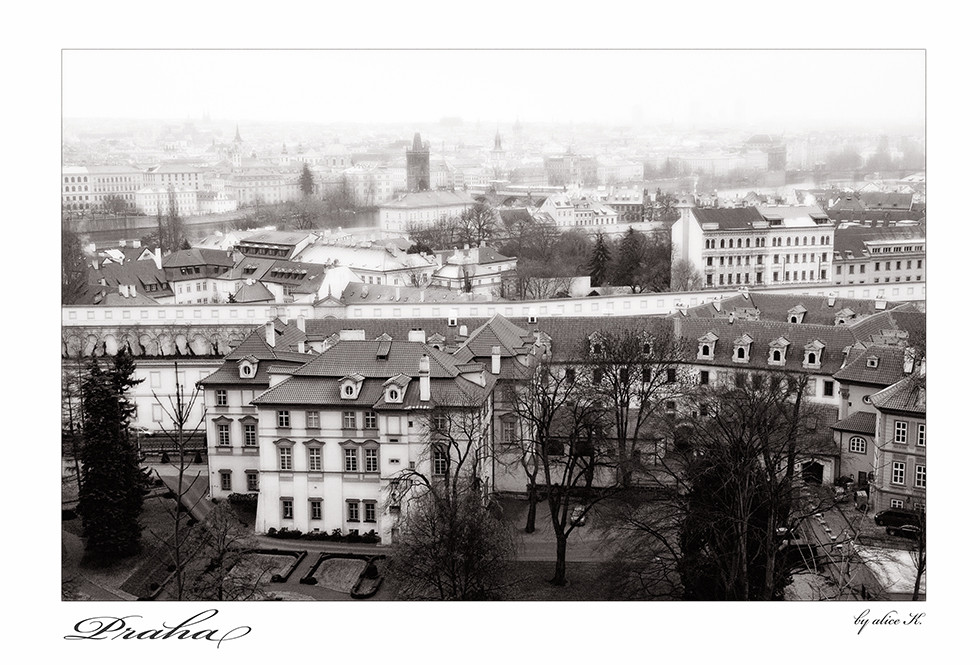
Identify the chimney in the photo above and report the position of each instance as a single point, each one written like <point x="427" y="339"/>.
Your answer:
<point x="831" y="299"/>
<point x="123" y="290"/>
<point x="731" y="318"/>
<point x="352" y="335"/>
<point x="425" y="389"/>
<point x="463" y="331"/>
<point x="301" y="323"/>
<point x="122" y="243"/>
<point x="398" y="293"/>
<point x="495" y="360"/>
<point x="416" y="335"/>
<point x="137" y="244"/>
<point x="301" y="346"/>
<point x="158" y="258"/>
<point x="270" y="333"/>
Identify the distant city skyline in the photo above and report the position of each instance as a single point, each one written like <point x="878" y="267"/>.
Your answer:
<point x="771" y="90"/>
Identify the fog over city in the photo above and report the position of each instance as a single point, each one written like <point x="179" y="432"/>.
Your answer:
<point x="493" y="325"/>
<point x="775" y="89"/>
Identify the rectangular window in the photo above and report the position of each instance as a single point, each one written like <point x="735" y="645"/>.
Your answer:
<point x="858" y="444"/>
<point x="898" y="473"/>
<point x="350" y="420"/>
<point x="850" y="270"/>
<point x="896" y="503"/>
<point x="224" y="436"/>
<point x="920" y="476"/>
<point x="313" y="419"/>
<point x="647" y="375"/>
<point x="828" y="388"/>
<point x="226" y="481"/>
<point x="350" y="460"/>
<point x="353" y="511"/>
<point x="901" y="431"/>
<point x="248" y="433"/>
<point x="315" y="455"/>
<point x="920" y="439"/>
<point x="440" y="423"/>
<point x="705" y="376"/>
<point x="370" y="420"/>
<point x="671" y="375"/>
<point x="154" y="379"/>
<point x="282" y="418"/>
<point x="371" y="460"/>
<point x="508" y="431"/>
<point x="440" y="462"/>
<point x="287" y="509"/>
<point x="316" y="509"/>
<point x="285" y="458"/>
<point x="221" y="397"/>
<point x="370" y="511"/>
<point x="252" y="480"/>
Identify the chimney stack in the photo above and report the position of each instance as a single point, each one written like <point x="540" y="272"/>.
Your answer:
<point x="463" y="331"/>
<point x="270" y="333"/>
<point x="495" y="360"/>
<point x="158" y="258"/>
<point x="416" y="335"/>
<point x="301" y="323"/>
<point x="301" y="346"/>
<point x="425" y="388"/>
<point x="398" y="293"/>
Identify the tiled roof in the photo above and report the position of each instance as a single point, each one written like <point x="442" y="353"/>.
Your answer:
<point x="835" y="339"/>
<point x="349" y="356"/>
<point x="905" y="318"/>
<point x="368" y="293"/>
<point x="430" y="200"/>
<point x="276" y="238"/>
<point x="198" y="257"/>
<point x="906" y="396"/>
<point x="853" y="238"/>
<point x="254" y="292"/>
<point x="859" y="422"/>
<point x="776" y="306"/>
<point x="498" y="331"/>
<point x="888" y="369"/>
<point x="728" y="218"/>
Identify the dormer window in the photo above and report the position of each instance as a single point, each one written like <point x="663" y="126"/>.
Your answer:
<point x="777" y="351"/>
<point x="394" y="395"/>
<point x="872" y="362"/>
<point x="812" y="354"/>
<point x="742" y="346"/>
<point x="247" y="367"/>
<point x="646" y="349"/>
<point x="796" y="314"/>
<point x="350" y="386"/>
<point x="706" y="346"/>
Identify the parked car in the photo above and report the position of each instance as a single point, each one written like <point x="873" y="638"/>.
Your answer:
<point x="896" y="517"/>
<point x="905" y="531"/>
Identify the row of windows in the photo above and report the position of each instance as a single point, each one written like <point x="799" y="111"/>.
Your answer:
<point x="348" y="419"/>
<point x="888" y="266"/>
<point x="353" y="462"/>
<point x="761" y="242"/>
<point x="251" y="480"/>
<point x="249" y="438"/>
<point x="902" y="433"/>
<point x="898" y="475"/>
<point x="353" y="510"/>
<point x="907" y="248"/>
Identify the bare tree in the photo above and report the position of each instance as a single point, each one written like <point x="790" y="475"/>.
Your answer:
<point x="729" y="494"/>
<point x="685" y="276"/>
<point x="225" y="566"/>
<point x="181" y="545"/>
<point x="563" y="438"/>
<point x="637" y="377"/>
<point x="451" y="545"/>
<point x="478" y="224"/>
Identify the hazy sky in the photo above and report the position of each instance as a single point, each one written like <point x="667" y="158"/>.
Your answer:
<point x="784" y="89"/>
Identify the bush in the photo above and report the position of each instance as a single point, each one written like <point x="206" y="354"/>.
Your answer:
<point x="236" y="498"/>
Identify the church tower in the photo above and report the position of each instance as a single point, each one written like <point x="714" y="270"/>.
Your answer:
<point x="417" y="165"/>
